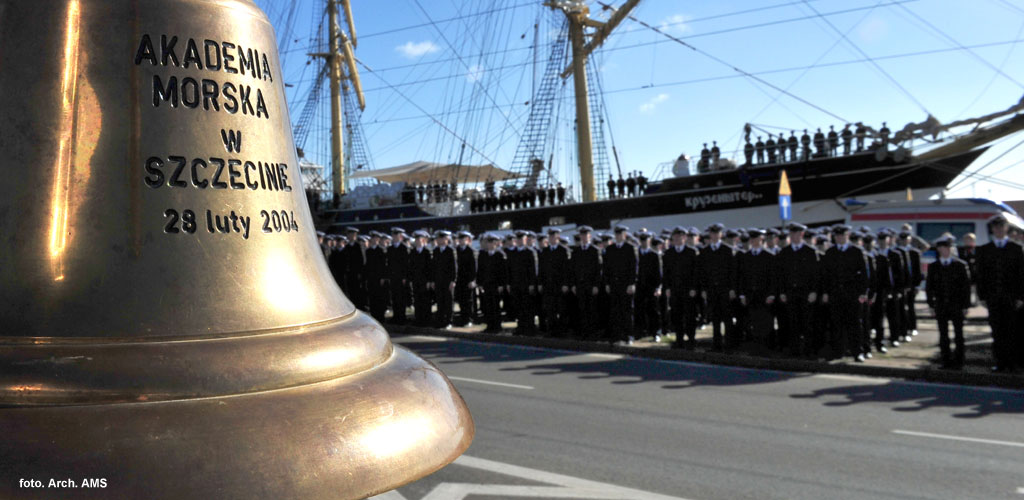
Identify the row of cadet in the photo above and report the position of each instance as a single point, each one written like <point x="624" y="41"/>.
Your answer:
<point x="781" y="149"/>
<point x="526" y="197"/>
<point x="818" y="293"/>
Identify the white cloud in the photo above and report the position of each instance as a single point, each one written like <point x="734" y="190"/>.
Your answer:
<point x="475" y="73"/>
<point x="653" y="102"/>
<point x="413" y="50"/>
<point x="676" y="23"/>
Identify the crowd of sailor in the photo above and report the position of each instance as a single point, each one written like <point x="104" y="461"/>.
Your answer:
<point x="821" y="293"/>
<point x="781" y="149"/>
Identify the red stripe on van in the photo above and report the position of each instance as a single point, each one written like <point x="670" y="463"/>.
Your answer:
<point x="923" y="216"/>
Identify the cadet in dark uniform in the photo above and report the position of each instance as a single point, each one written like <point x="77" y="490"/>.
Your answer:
<point x="1001" y="290"/>
<point x="522" y="266"/>
<point x="554" y="283"/>
<point x="376" y="278"/>
<point x="631" y="186"/>
<point x="648" y="289"/>
<point x="465" y="281"/>
<point x="819" y="143"/>
<point x="916" y="278"/>
<point x="857" y="238"/>
<point x="586" y="266"/>
<point x="620" y="273"/>
<point x="718" y="284"/>
<point x="421" y="274"/>
<point x="798" y="288"/>
<point x="492" y="278"/>
<point x="833" y="141"/>
<point x="861" y="133"/>
<point x="794" y="145"/>
<point x="949" y="294"/>
<point x="748" y="152"/>
<point x="847" y="139"/>
<point x="681" y="286"/>
<point x="561" y="194"/>
<point x="445" y="267"/>
<point x="355" y="261"/>
<point x="845" y="289"/>
<point x="756" y="282"/>
<point x="759" y="149"/>
<point x="398" y="284"/>
<point x="805" y="141"/>
<point x="769" y="147"/>
<point x="897" y="284"/>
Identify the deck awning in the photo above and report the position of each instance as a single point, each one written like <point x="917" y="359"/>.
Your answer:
<point x="420" y="172"/>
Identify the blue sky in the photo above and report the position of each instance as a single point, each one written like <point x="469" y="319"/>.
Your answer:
<point x="663" y="98"/>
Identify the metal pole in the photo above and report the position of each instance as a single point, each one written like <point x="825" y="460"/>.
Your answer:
<point x="334" y="59"/>
<point x="583" y="139"/>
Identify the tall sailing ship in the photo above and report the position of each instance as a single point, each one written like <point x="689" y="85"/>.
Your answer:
<point x="827" y="177"/>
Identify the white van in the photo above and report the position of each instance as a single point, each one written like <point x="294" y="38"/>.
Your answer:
<point x="931" y="218"/>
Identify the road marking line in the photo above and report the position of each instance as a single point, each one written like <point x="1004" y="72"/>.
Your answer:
<point x="854" y="378"/>
<point x="391" y="495"/>
<point x="604" y="355"/>
<point x="1020" y="490"/>
<point x="488" y="382"/>
<point x="959" y="438"/>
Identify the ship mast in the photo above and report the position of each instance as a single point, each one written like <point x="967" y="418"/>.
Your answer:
<point x="577" y="13"/>
<point x="340" y="51"/>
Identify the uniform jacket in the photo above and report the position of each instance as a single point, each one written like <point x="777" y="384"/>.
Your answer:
<point x="681" y="269"/>
<point x="843" y="272"/>
<point x="522" y="267"/>
<point x="999" y="272"/>
<point x="717" y="268"/>
<point x="586" y="265"/>
<point x="620" y="264"/>
<point x="397" y="262"/>
<point x="420" y="270"/>
<point x="445" y="266"/>
<point x="756" y="275"/>
<point x="376" y="265"/>
<point x="492" y="270"/>
<point x="798" y="270"/>
<point x="553" y="264"/>
<point x="650" y="269"/>
<point x="466" y="261"/>
<point x="949" y="287"/>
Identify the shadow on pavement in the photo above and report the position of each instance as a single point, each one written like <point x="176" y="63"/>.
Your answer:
<point x="976" y="403"/>
<point x="623" y="371"/>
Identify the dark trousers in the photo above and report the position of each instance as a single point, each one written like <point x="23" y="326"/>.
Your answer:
<point x="865" y="327"/>
<point x="464" y="297"/>
<point x="648" y="317"/>
<point x="399" y="300"/>
<point x="587" y="311"/>
<point x="620" y="313"/>
<point x="759" y="321"/>
<point x="719" y="314"/>
<point x="684" y="316"/>
<point x="738" y="332"/>
<point x="523" y="300"/>
<point x="894" y="314"/>
<point x="421" y="303"/>
<point x="1002" y="318"/>
<point x="553" y="309"/>
<point x="378" y="297"/>
<point x="944" y="316"/>
<point x="799" y="315"/>
<point x="489" y="300"/>
<point x="877" y="316"/>
<point x="846" y="330"/>
<point x="910" y="318"/>
<point x="445" y="299"/>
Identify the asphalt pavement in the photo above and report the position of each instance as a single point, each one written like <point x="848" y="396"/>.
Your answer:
<point x="561" y="424"/>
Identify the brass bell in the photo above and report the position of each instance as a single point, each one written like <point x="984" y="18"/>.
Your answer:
<point x="169" y="326"/>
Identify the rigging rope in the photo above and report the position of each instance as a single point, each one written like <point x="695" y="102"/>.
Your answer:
<point x="734" y="68"/>
<point x="870" y="60"/>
